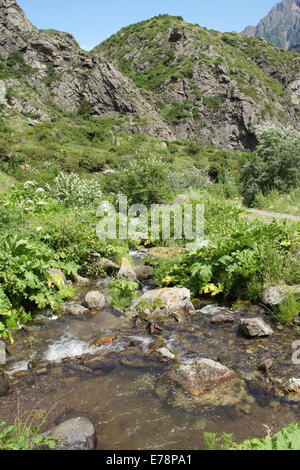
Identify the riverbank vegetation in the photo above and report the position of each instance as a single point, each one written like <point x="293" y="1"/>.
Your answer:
<point x="54" y="175"/>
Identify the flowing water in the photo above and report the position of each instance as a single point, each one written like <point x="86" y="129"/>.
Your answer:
<point x="118" y="384"/>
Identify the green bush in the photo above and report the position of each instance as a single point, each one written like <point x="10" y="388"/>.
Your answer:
<point x="26" y="282"/>
<point x="144" y="181"/>
<point x="275" y="164"/>
<point x="72" y="190"/>
<point x="238" y="258"/>
<point x="123" y="293"/>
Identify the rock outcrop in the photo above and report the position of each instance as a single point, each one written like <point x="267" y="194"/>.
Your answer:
<point x="281" y="26"/>
<point x="168" y="78"/>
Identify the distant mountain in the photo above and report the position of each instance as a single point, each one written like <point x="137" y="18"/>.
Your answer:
<point x="162" y="77"/>
<point x="281" y="26"/>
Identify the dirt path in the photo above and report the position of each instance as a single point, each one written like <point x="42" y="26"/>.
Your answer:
<point x="276" y="215"/>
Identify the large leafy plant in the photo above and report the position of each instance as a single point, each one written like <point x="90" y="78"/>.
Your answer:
<point x="26" y="282"/>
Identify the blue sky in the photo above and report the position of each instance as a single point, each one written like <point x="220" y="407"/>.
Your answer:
<point x="92" y="21"/>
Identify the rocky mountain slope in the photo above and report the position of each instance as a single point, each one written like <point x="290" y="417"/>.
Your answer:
<point x="209" y="85"/>
<point x="166" y="77"/>
<point x="281" y="26"/>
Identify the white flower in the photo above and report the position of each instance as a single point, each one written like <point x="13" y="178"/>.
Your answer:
<point x="29" y="183"/>
<point x="39" y="229"/>
<point x="40" y="190"/>
<point x="42" y="203"/>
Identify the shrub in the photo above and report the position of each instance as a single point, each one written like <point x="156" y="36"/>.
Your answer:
<point x="71" y="190"/>
<point x="275" y="164"/>
<point x="145" y="181"/>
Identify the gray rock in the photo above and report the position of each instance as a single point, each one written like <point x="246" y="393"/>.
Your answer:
<point x="166" y="302"/>
<point x="255" y="328"/>
<point x="294" y="385"/>
<point x="200" y="376"/>
<point x="2" y="353"/>
<point x="274" y="295"/>
<point x="222" y="318"/>
<point x="143" y="273"/>
<point x="82" y="281"/>
<point x="76" y="309"/>
<point x="95" y="300"/>
<point x="212" y="309"/>
<point x="265" y="365"/>
<point x="166" y="353"/>
<point x="75" y="434"/>
<point x="109" y="266"/>
<point x="126" y="272"/>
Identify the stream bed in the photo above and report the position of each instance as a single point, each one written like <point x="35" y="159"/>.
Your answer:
<point x="106" y="368"/>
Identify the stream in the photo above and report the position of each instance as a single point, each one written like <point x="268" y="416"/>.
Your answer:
<point x="59" y="365"/>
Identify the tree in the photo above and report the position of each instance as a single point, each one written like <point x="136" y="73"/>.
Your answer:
<point x="275" y="164"/>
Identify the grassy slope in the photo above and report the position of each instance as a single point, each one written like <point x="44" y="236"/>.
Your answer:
<point x="144" y="53"/>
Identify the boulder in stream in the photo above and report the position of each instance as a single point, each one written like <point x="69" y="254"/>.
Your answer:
<point x="95" y="300"/>
<point x="163" y="302"/>
<point x="127" y="272"/>
<point x="75" y="434"/>
<point x="76" y="309"/>
<point x="109" y="266"/>
<point x="202" y="381"/>
<point x="143" y="273"/>
<point x="255" y="328"/>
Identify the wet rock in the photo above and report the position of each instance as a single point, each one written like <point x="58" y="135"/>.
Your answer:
<point x="104" y="339"/>
<point x="95" y="300"/>
<point x="109" y="266"/>
<point x="82" y="281"/>
<point x="274" y="295"/>
<point x="165" y="302"/>
<point x="265" y="365"/>
<point x="222" y="319"/>
<point x="204" y="382"/>
<point x="60" y="274"/>
<point x="2" y="353"/>
<point x="76" y="309"/>
<point x="127" y="272"/>
<point x="166" y="353"/>
<point x="143" y="273"/>
<point x="255" y="328"/>
<point x="38" y="363"/>
<point x="294" y="385"/>
<point x="213" y="310"/>
<point x="75" y="434"/>
<point x="198" y="377"/>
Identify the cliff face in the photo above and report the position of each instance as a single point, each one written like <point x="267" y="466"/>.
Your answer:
<point x="281" y="26"/>
<point x="167" y="77"/>
<point x="208" y="85"/>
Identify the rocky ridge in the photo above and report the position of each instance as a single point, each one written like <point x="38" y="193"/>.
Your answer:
<point x="182" y="82"/>
<point x="281" y="26"/>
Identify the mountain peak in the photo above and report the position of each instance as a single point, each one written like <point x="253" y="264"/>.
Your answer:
<point x="281" y="26"/>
